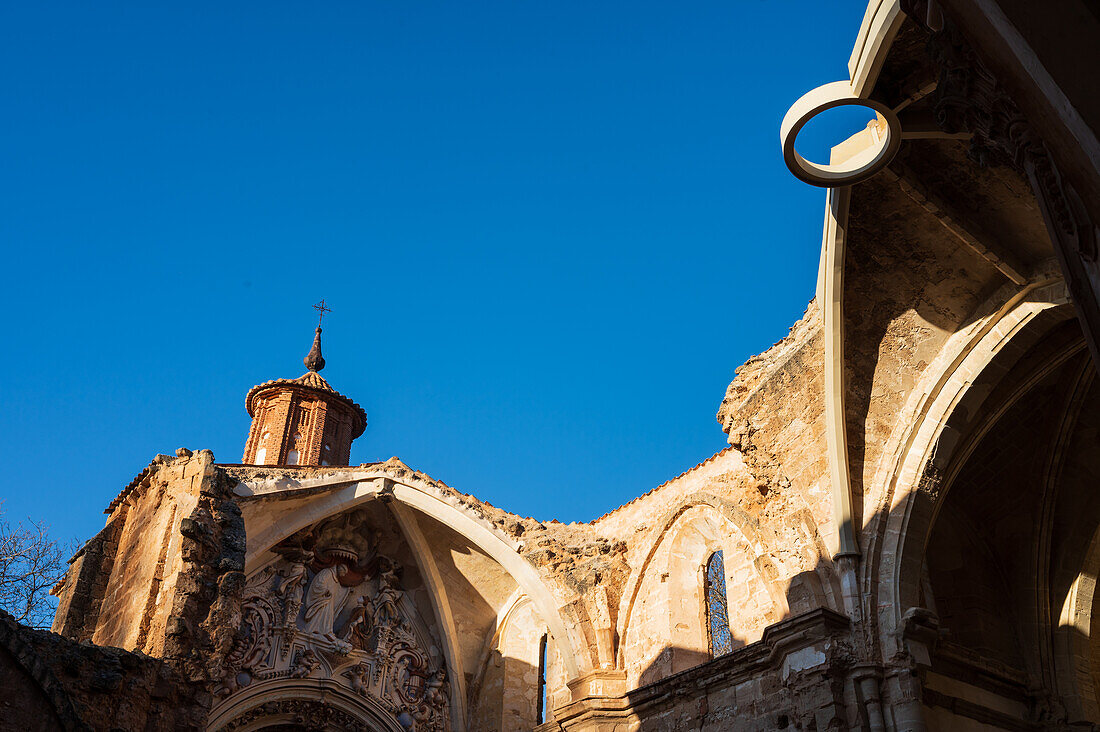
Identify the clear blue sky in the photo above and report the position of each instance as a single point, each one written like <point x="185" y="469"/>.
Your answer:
<point x="549" y="232"/>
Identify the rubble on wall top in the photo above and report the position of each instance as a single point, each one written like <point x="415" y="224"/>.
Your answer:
<point x="754" y="373"/>
<point x="129" y="487"/>
<point x="142" y="478"/>
<point x="651" y="491"/>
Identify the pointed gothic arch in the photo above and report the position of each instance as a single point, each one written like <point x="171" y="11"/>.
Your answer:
<point x="330" y="496"/>
<point x="673" y="576"/>
<point x="910" y="470"/>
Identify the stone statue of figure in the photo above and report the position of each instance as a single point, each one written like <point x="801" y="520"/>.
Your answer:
<point x="321" y="600"/>
<point x="304" y="665"/>
<point x="359" y="625"/>
<point x="433" y="701"/>
<point x="403" y="675"/>
<point x="386" y="600"/>
<point x="434" y="696"/>
<point x="291" y="587"/>
<point x="359" y="677"/>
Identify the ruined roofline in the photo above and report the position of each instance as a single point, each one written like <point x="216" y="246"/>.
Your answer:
<point x="142" y="478"/>
<point x="138" y="480"/>
<point x="761" y="367"/>
<point x="299" y="467"/>
<point x="668" y="482"/>
<point x="395" y="466"/>
<point x="470" y="499"/>
<point x="244" y="471"/>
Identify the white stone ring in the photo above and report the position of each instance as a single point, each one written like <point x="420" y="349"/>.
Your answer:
<point x="860" y="166"/>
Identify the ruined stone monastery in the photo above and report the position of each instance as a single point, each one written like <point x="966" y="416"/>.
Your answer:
<point x="902" y="534"/>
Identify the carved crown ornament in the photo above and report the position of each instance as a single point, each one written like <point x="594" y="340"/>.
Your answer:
<point x="331" y="607"/>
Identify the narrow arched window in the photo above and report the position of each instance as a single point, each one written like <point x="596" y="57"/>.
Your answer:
<point x="293" y="455"/>
<point x="541" y="714"/>
<point x="261" y="454"/>
<point x="718" y="619"/>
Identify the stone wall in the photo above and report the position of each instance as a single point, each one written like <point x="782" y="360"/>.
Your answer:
<point x="775" y="562"/>
<point x="163" y="578"/>
<point x="793" y="678"/>
<point x="82" y="589"/>
<point x="52" y="683"/>
<point x="507" y="693"/>
<point x="519" y="649"/>
<point x="774" y="414"/>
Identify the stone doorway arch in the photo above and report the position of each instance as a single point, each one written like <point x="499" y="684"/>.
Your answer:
<point x="305" y="705"/>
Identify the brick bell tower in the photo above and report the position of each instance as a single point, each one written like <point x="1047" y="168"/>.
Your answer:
<point x="302" y="421"/>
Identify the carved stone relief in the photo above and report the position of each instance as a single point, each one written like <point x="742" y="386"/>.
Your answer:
<point x="302" y="714"/>
<point x="332" y="607"/>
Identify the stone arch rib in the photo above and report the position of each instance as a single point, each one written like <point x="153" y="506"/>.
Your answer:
<point x="730" y="514"/>
<point x="429" y="501"/>
<point x="910" y="490"/>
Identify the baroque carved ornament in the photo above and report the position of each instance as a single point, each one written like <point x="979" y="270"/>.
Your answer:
<point x="332" y="608"/>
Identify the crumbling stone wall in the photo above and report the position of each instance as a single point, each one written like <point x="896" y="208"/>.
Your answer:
<point x="85" y="583"/>
<point x="169" y="557"/>
<point x="200" y="630"/>
<point x="52" y="683"/>
<point x="164" y="576"/>
<point x="616" y="579"/>
<point x="775" y="561"/>
<point x="606" y="575"/>
<point x="774" y="415"/>
<point x="793" y="678"/>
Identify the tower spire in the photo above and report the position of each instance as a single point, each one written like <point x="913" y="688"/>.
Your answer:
<point x="314" y="361"/>
<point x="302" y="421"/>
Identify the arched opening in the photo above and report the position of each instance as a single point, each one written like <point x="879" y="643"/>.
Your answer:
<point x="293" y="456"/>
<point x="261" y="452"/>
<point x="296" y="706"/>
<point x="667" y="628"/>
<point x="1009" y="556"/>
<point x="717" y="606"/>
<point x="540" y="715"/>
<point x="481" y="537"/>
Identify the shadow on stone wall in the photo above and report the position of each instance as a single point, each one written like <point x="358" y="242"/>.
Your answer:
<point x="792" y="678"/>
<point x="799" y="674"/>
<point x="48" y="682"/>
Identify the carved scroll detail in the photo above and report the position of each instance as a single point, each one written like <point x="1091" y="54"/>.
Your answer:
<point x="331" y="607"/>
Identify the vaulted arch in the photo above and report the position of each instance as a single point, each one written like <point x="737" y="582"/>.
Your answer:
<point x="324" y="498"/>
<point x="327" y="706"/>
<point x="990" y="516"/>
<point x="663" y="616"/>
<point x="910" y="473"/>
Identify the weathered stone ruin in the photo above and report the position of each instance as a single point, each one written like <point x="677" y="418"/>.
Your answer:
<point x="903" y="533"/>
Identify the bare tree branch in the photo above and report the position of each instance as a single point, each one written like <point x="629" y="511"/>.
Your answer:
<point x="30" y="564"/>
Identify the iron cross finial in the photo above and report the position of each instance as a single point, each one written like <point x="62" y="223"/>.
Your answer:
<point x="321" y="310"/>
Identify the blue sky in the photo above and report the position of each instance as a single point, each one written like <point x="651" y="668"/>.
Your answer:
<point x="549" y="232"/>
